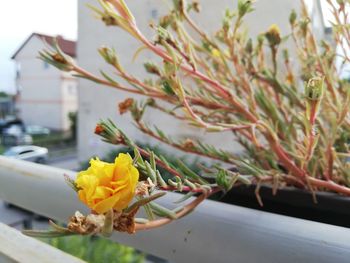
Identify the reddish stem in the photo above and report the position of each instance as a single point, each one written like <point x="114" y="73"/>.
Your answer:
<point x="330" y="185"/>
<point x="329" y="171"/>
<point x="186" y="210"/>
<point x="184" y="189"/>
<point x="313" y="114"/>
<point x="286" y="160"/>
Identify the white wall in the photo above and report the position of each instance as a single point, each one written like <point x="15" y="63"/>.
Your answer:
<point x="98" y="102"/>
<point x="69" y="95"/>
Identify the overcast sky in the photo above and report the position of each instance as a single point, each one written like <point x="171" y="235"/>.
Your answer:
<point x="18" y="19"/>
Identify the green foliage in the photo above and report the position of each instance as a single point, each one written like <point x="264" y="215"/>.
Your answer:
<point x="253" y="89"/>
<point x="2" y="149"/>
<point x="4" y="94"/>
<point x="73" y="119"/>
<point x="53" y="140"/>
<point x="96" y="249"/>
<point x="157" y="150"/>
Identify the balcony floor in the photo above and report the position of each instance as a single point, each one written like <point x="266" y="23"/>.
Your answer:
<point x="18" y="218"/>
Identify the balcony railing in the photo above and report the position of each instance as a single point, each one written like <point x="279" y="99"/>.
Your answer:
<point x="214" y="232"/>
<point x="15" y="247"/>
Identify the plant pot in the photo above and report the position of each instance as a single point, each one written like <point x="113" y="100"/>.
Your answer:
<point x="330" y="208"/>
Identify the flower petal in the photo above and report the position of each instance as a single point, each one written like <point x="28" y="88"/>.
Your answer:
<point x="106" y="204"/>
<point x="104" y="186"/>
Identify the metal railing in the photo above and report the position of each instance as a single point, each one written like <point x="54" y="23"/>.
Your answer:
<point x="214" y="232"/>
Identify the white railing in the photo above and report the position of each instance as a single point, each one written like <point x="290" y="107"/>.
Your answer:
<point x="214" y="232"/>
<point x="15" y="247"/>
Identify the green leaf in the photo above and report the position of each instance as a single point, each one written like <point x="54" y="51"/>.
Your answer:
<point x="144" y="201"/>
<point x="189" y="173"/>
<point x="167" y="88"/>
<point x="46" y="234"/>
<point x="161" y="181"/>
<point x="184" y="197"/>
<point x="152" y="160"/>
<point x="149" y="212"/>
<point x="107" y="77"/>
<point x="57" y="227"/>
<point x="138" y="158"/>
<point x="151" y="173"/>
<point x="162" y="211"/>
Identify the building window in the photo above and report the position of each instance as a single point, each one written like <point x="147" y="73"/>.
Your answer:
<point x="154" y="13"/>
<point x="18" y="70"/>
<point x="46" y="65"/>
<point x="72" y="90"/>
<point x="19" y="88"/>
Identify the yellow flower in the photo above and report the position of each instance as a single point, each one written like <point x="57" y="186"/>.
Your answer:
<point x="215" y="52"/>
<point x="104" y="186"/>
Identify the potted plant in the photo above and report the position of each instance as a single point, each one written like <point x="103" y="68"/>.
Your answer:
<point x="293" y="123"/>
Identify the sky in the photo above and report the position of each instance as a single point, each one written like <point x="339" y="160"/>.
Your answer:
<point x="18" y="19"/>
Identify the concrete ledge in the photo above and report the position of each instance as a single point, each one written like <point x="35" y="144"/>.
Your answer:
<point x="16" y="247"/>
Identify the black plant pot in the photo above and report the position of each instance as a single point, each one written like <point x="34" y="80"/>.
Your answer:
<point x="330" y="208"/>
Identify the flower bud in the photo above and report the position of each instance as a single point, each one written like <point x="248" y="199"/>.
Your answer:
<point x="244" y="7"/>
<point x="196" y="6"/>
<point x="109" y="20"/>
<point x="260" y="40"/>
<point x="249" y="46"/>
<point x="151" y="68"/>
<point x="108" y="130"/>
<point x="273" y="35"/>
<point x="98" y="129"/>
<point x="188" y="144"/>
<point x="292" y="17"/>
<point x="108" y="54"/>
<point x="314" y="89"/>
<point x="151" y="102"/>
<point x="165" y="21"/>
<point x="303" y="26"/>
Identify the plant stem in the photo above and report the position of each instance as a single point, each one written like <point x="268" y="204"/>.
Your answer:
<point x="164" y="221"/>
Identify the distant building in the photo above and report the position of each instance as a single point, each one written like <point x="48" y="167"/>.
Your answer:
<point x="96" y="102"/>
<point x="45" y="95"/>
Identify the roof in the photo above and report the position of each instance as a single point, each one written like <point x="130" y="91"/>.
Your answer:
<point x="67" y="46"/>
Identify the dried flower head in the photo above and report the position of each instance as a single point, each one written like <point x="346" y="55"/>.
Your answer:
<point x="85" y="225"/>
<point x="125" y="222"/>
<point x="188" y="144"/>
<point x="125" y="105"/>
<point x="273" y="35"/>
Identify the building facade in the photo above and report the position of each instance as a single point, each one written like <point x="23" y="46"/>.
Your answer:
<point x="45" y="95"/>
<point x="96" y="102"/>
